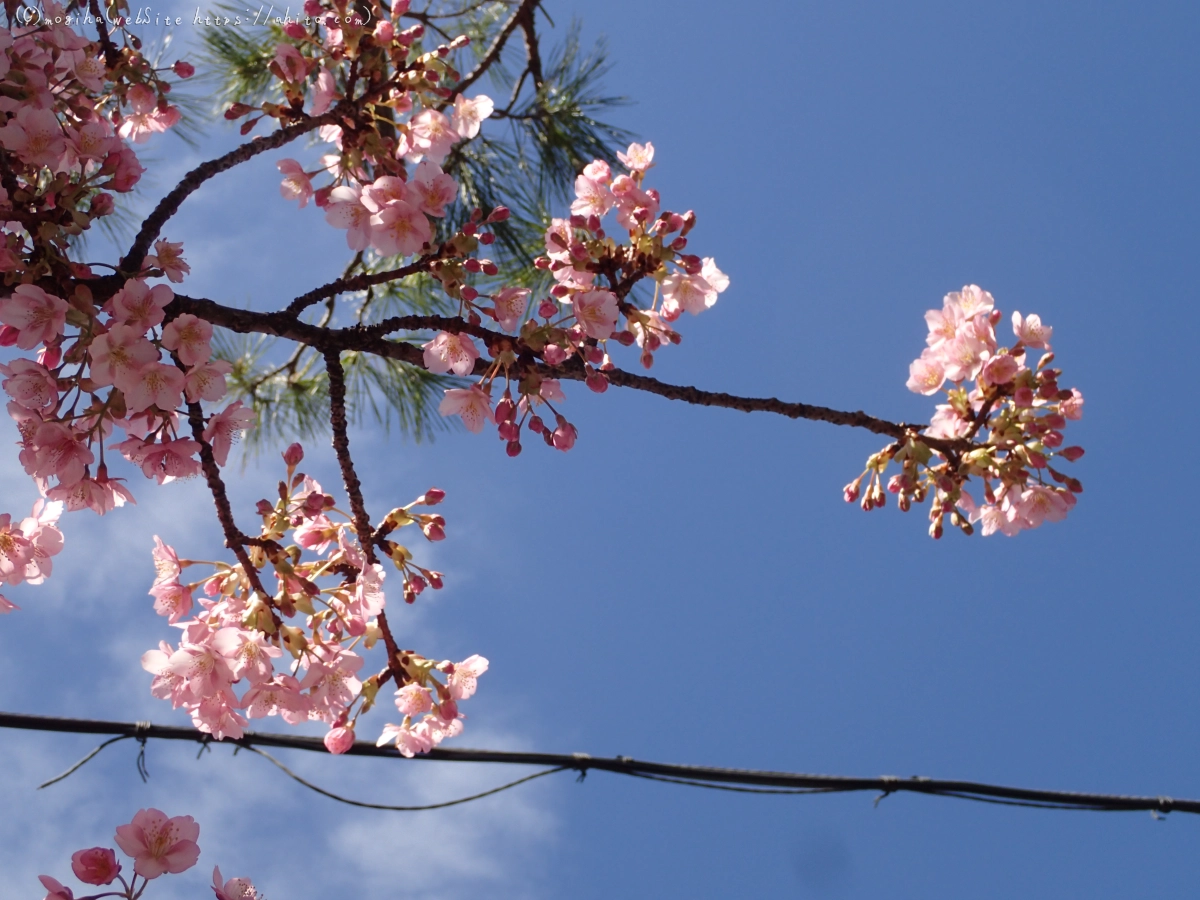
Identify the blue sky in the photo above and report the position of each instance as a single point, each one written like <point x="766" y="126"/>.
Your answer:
<point x="686" y="584"/>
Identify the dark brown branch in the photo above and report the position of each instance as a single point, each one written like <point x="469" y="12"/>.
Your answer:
<point x="360" y="282"/>
<point x="112" y="57"/>
<point x="169" y="205"/>
<point x="341" y="447"/>
<point x="532" y="53"/>
<point x="368" y="339"/>
<point x="697" y="776"/>
<point x="493" y="52"/>
<point x="235" y="540"/>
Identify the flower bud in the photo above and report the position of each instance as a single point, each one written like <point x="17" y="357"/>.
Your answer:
<point x="1071" y="453"/>
<point x="513" y="448"/>
<point x="597" y="382"/>
<point x="184" y="69"/>
<point x="339" y="740"/>
<point x="95" y="866"/>
<point x="547" y="309"/>
<point x="295" y="31"/>
<point x="433" y="497"/>
<point x="293" y="455"/>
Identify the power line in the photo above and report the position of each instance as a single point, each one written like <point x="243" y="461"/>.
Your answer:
<point x="741" y="780"/>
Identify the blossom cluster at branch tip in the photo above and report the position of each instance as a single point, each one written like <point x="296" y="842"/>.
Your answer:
<point x="324" y="613"/>
<point x="1002" y="425"/>
<point x="158" y="845"/>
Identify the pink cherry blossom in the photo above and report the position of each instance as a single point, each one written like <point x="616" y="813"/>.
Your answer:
<point x="926" y="374"/>
<point x="947" y="423"/>
<point x="592" y="198"/>
<point x="510" y="303"/>
<point x="330" y="680"/>
<point x="324" y="93"/>
<point x="95" y="866"/>
<point x="118" y="354"/>
<point x="1039" y="504"/>
<point x="225" y="427"/>
<point x="34" y="135"/>
<point x="472" y="404"/>
<point x="430" y="189"/>
<point x="400" y="229"/>
<point x="248" y="652"/>
<point x="55" y="888"/>
<point x="383" y="192"/>
<point x="1031" y="332"/>
<point x="190" y="337"/>
<point x="159" y="844"/>
<point x="296" y="184"/>
<point x="168" y="257"/>
<point x="971" y="301"/>
<point x="463" y="680"/>
<point x="31" y="385"/>
<point x="414" y="700"/>
<point x="207" y="381"/>
<point x="346" y="210"/>
<point x="154" y="384"/>
<point x="638" y="158"/>
<point x="234" y="888"/>
<point x="15" y="552"/>
<point x="38" y="317"/>
<point x="217" y="715"/>
<point x="163" y="462"/>
<point x="58" y="453"/>
<point x="279" y="697"/>
<point x="450" y="353"/>
<point x="596" y="312"/>
<point x="690" y="293"/>
<point x="44" y="539"/>
<point x="431" y="135"/>
<point x="1000" y="369"/>
<point x="1072" y="408"/>
<point x="291" y="63"/>
<point x="126" y="169"/>
<point x="139" y="305"/>
<point x="469" y="114"/>
<point x="171" y="599"/>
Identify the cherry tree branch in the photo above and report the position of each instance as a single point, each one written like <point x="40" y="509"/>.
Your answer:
<point x="235" y="539"/>
<point x="369" y="339"/>
<point x="494" y="51"/>
<point x="361" y="282"/>
<point x="169" y="205"/>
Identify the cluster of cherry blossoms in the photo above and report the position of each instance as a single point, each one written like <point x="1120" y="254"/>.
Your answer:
<point x="324" y="608"/>
<point x="1005" y="429"/>
<point x="583" y="311"/>
<point x="68" y="105"/>
<point x="158" y="845"/>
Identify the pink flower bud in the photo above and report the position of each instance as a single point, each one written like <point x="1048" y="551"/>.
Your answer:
<point x="505" y="409"/>
<point x="184" y="69"/>
<point x="472" y="265"/>
<point x="554" y="355"/>
<point x="1052" y="439"/>
<point x="679" y="243"/>
<point x="469" y="293"/>
<point x="399" y="8"/>
<point x="339" y="740"/>
<point x="564" y="436"/>
<point x="313" y="8"/>
<point x="647" y="359"/>
<point x="1023" y="397"/>
<point x="547" y="309"/>
<point x="293" y="455"/>
<point x="95" y="866"/>
<point x="536" y="425"/>
<point x="264" y="508"/>
<point x="499" y="214"/>
<point x="102" y="205"/>
<point x="448" y="710"/>
<point x="50" y="357"/>
<point x="509" y="431"/>
<point x="850" y="492"/>
<point x="1071" y="453"/>
<point x="417" y="583"/>
<point x="513" y="448"/>
<point x="597" y="382"/>
<point x="295" y="31"/>
<point x="433" y="531"/>
<point x="487" y="238"/>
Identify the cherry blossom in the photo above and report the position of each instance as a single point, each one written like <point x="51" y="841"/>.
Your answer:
<point x="450" y="353"/>
<point x="159" y="844"/>
<point x="296" y="184"/>
<point x="38" y="317"/>
<point x="471" y="404"/>
<point x="95" y="866"/>
<point x="234" y="888"/>
<point x="469" y="114"/>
